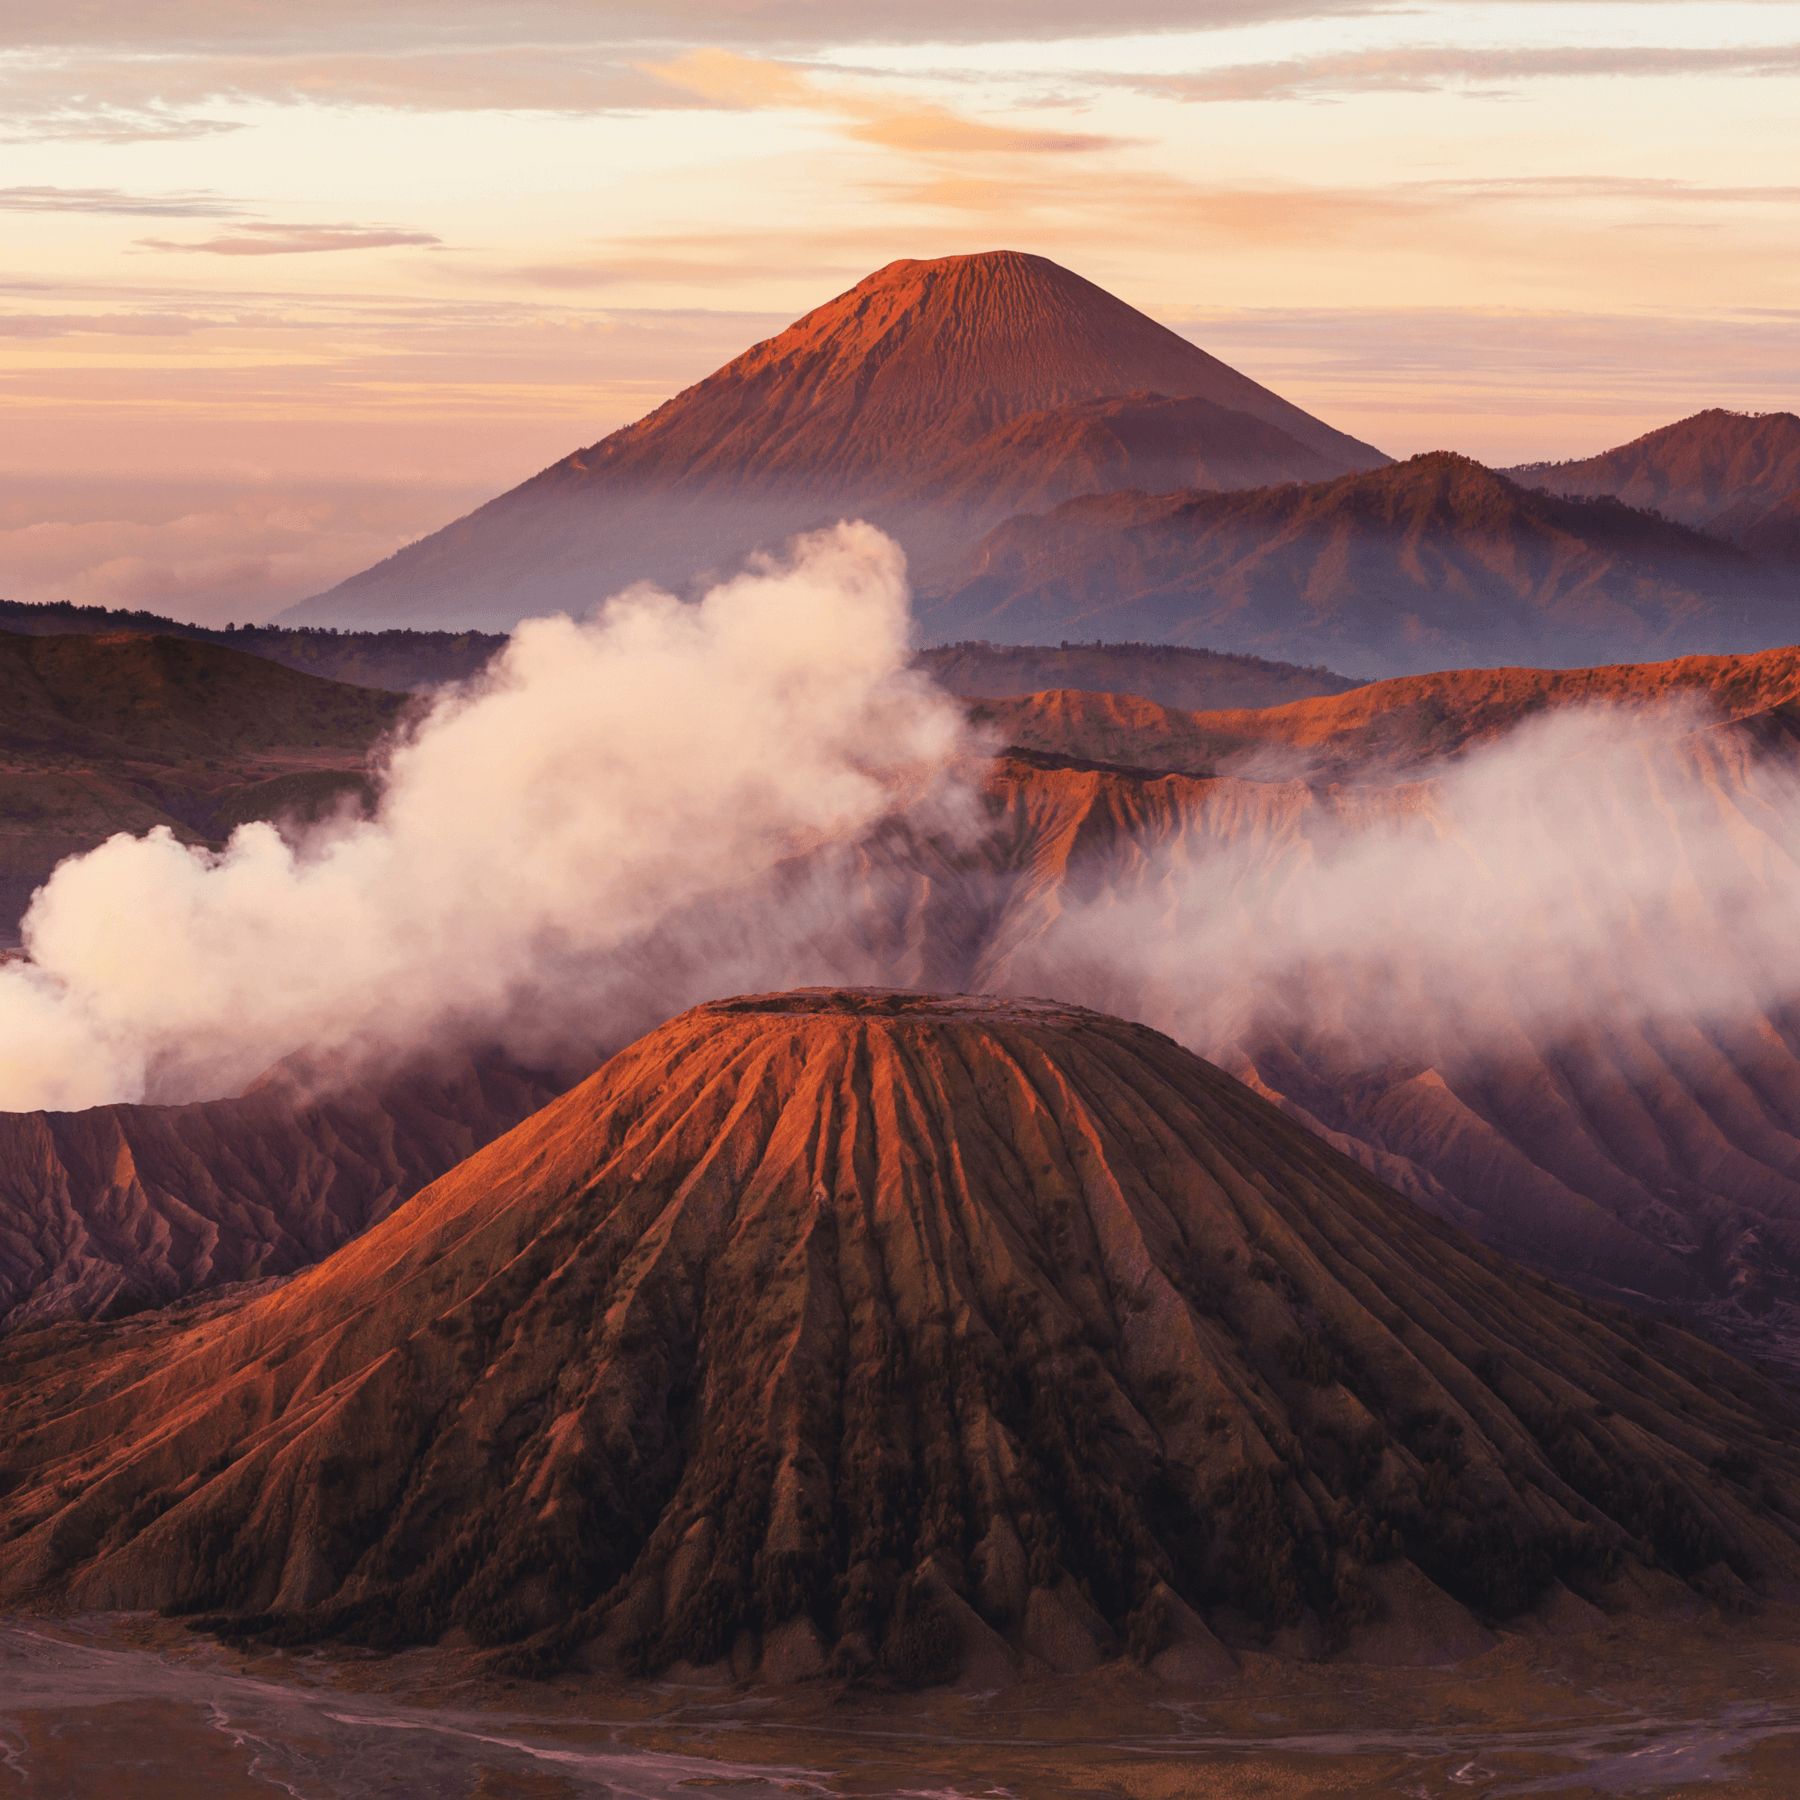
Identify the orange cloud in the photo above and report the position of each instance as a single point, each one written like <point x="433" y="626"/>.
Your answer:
<point x="753" y="84"/>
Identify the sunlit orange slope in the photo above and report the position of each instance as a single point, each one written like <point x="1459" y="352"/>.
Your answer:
<point x="1385" y="727"/>
<point x="879" y="1330"/>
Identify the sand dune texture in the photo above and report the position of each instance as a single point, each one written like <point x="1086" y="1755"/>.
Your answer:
<point x="856" y="1329"/>
<point x="117" y="1208"/>
<point x="1431" y="563"/>
<point x="125" y="732"/>
<point x="933" y="398"/>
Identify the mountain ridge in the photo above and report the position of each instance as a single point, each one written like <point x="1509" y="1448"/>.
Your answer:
<point x="1402" y="728"/>
<point x="1707" y="469"/>
<point x="123" y="731"/>
<point x="1431" y="563"/>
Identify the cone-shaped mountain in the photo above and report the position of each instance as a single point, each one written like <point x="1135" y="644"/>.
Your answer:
<point x="879" y="1326"/>
<point x="897" y="399"/>
<point x="921" y="359"/>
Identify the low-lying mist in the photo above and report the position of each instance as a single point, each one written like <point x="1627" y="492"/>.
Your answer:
<point x="601" y="778"/>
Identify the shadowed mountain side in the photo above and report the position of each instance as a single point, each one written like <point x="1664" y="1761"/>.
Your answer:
<point x="884" y="403"/>
<point x="172" y="698"/>
<point x="1714" y="463"/>
<point x="119" y="1208"/>
<point x="1144" y="441"/>
<point x="103" y="734"/>
<point x="1171" y="675"/>
<point x="420" y="661"/>
<point x="1384" y="729"/>
<point x="1773" y="535"/>
<point x="875" y="1329"/>
<point x="1430" y="563"/>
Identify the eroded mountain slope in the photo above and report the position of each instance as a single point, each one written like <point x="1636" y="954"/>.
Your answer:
<point x="118" y="1208"/>
<point x="124" y="732"/>
<point x="1716" y="468"/>
<point x="875" y="1328"/>
<point x="1382" y="729"/>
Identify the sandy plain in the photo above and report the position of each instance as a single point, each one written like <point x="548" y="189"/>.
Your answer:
<point x="134" y="1705"/>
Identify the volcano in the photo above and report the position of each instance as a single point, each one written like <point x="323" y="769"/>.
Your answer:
<point x="933" y="397"/>
<point x="876" y="1332"/>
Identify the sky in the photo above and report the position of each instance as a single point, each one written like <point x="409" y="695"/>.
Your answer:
<point x="286" y="286"/>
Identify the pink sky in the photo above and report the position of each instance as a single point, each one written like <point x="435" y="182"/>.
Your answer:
<point x="286" y="287"/>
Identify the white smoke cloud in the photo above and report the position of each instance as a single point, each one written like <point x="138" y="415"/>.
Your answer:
<point x="1597" y="868"/>
<point x="603" y="780"/>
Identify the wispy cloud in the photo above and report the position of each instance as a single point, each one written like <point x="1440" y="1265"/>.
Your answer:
<point x="197" y="205"/>
<point x="118" y="73"/>
<point x="1430" y="68"/>
<point x="57" y="325"/>
<point x="113" y="97"/>
<point x="724" y="78"/>
<point x="296" y="240"/>
<point x="1536" y="188"/>
<point x="227" y="24"/>
<point x="104" y="122"/>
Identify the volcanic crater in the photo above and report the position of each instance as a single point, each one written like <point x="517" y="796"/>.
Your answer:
<point x="896" y="1337"/>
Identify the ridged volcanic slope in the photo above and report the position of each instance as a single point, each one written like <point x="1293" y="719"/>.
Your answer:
<point x="921" y="358"/>
<point x="113" y="1209"/>
<point x="892" y="1321"/>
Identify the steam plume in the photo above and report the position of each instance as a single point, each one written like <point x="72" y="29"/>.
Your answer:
<point x="1597" y="869"/>
<point x="601" y="779"/>
<point x="675" y="802"/>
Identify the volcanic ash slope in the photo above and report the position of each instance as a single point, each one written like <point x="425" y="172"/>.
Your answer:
<point x="881" y="1330"/>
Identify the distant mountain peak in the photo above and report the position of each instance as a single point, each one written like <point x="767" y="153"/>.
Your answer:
<point x="919" y="360"/>
<point x="890" y="401"/>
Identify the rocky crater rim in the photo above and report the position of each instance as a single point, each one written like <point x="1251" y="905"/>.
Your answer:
<point x="879" y="1003"/>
